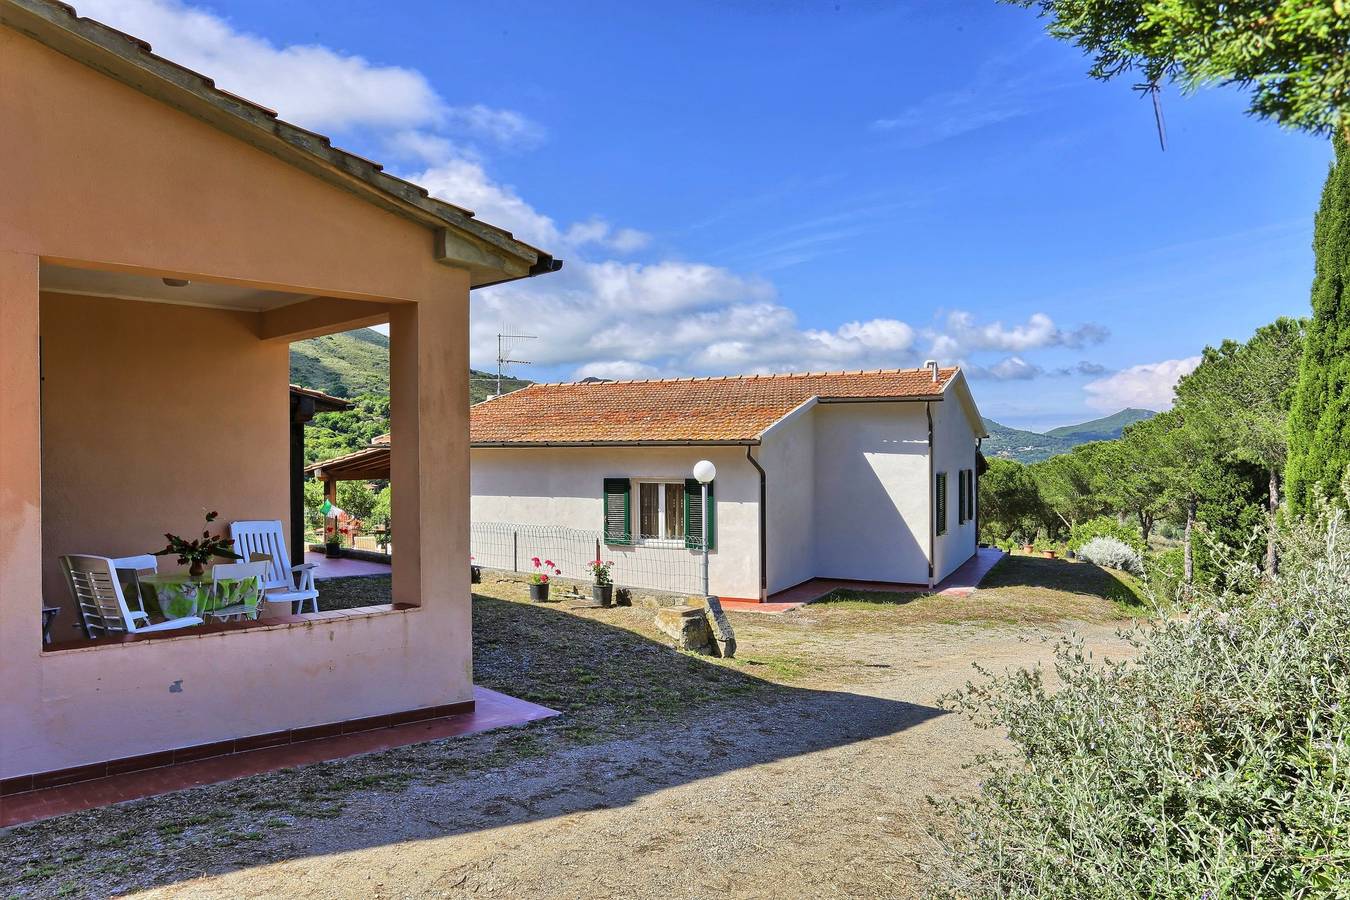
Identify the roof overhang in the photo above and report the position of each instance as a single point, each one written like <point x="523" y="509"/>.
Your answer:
<point x="491" y="255"/>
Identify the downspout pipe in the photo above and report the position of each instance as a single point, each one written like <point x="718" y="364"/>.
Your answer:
<point x="763" y="528"/>
<point x="932" y="497"/>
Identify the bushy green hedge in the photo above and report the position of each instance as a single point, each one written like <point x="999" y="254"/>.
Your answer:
<point x="1104" y="526"/>
<point x="1215" y="764"/>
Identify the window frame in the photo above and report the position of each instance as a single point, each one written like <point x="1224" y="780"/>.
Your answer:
<point x="661" y="495"/>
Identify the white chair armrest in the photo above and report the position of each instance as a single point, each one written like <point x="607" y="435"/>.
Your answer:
<point x="171" y="624"/>
<point x="304" y="566"/>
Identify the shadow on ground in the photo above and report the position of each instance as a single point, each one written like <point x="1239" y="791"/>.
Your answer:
<point x="613" y="685"/>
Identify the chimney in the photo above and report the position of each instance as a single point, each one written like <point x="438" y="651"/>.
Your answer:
<point x="932" y="366"/>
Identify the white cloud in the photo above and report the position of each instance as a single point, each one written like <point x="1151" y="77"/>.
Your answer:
<point x="603" y="315"/>
<point x="617" y="371"/>
<point x="962" y="335"/>
<point x="308" y="84"/>
<point x="1147" y="386"/>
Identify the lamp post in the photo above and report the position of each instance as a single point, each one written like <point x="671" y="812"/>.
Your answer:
<point x="705" y="472"/>
<point x="725" y="638"/>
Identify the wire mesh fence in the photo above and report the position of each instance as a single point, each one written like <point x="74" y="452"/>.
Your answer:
<point x="511" y="547"/>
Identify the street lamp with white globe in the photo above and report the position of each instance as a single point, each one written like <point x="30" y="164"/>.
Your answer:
<point x="705" y="472"/>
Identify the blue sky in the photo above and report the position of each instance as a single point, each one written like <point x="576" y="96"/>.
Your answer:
<point x="784" y="186"/>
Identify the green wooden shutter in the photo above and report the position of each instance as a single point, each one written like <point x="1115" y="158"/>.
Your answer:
<point x="618" y="511"/>
<point x="693" y="514"/>
<point x="961" y="497"/>
<point x="940" y="513"/>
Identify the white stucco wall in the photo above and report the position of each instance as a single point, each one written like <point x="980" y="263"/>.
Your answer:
<point x="953" y="450"/>
<point x="871" y="491"/>
<point x="564" y="486"/>
<point x="788" y="455"/>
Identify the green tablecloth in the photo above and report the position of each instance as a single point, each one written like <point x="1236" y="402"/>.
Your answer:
<point x="180" y="595"/>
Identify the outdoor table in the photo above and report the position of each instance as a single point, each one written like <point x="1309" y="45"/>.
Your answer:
<point x="180" y="594"/>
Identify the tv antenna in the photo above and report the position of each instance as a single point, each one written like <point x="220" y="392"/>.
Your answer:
<point x="505" y="343"/>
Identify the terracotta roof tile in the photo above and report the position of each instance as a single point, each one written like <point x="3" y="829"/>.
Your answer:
<point x="679" y="410"/>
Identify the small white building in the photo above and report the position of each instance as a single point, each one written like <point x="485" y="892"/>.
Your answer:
<point x="867" y="476"/>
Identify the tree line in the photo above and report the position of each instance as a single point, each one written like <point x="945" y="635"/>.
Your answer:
<point x="1216" y="460"/>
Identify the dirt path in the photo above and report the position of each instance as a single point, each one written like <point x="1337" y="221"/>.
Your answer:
<point x="821" y="795"/>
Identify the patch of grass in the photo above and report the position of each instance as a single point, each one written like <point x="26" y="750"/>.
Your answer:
<point x="1020" y="590"/>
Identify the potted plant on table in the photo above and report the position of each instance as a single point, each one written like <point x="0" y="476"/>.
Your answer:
<point x="196" y="553"/>
<point x="539" y="579"/>
<point x="603" y="589"/>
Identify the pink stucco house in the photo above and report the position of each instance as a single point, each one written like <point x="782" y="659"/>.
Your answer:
<point x="161" y="244"/>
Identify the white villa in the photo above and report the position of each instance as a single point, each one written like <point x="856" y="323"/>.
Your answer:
<point x="867" y="476"/>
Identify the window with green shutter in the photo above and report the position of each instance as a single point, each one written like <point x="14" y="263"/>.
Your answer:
<point x="961" y="497"/>
<point x="940" y="510"/>
<point x="693" y="514"/>
<point x="970" y="495"/>
<point x="618" y="511"/>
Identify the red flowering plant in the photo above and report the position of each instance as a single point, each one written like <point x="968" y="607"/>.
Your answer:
<point x="600" y="570"/>
<point x="542" y="570"/>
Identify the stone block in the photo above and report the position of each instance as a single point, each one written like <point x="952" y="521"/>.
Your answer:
<point x="688" y="627"/>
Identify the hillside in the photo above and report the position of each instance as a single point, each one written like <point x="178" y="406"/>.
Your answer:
<point x="1031" y="446"/>
<point x="1105" y="429"/>
<point x="357" y="362"/>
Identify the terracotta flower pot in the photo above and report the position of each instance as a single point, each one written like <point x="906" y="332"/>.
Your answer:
<point x="539" y="592"/>
<point x="1048" y="554"/>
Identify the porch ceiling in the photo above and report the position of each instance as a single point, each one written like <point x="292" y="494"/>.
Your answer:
<point x="130" y="286"/>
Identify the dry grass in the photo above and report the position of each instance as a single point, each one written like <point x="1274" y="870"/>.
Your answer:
<point x="1020" y="590"/>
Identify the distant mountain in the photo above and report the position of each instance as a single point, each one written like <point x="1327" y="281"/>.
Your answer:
<point x="1030" y="446"/>
<point x="1024" y="446"/>
<point x="1106" y="429"/>
<point x="357" y="362"/>
<point x="344" y="365"/>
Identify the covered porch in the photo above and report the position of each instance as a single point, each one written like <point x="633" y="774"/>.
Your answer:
<point x="150" y="291"/>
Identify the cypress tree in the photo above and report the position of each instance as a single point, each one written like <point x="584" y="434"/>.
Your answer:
<point x="1319" y="419"/>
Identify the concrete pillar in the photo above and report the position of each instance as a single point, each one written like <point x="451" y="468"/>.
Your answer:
<point x="20" y="505"/>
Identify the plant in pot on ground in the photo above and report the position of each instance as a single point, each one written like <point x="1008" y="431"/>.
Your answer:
<point x="539" y="578"/>
<point x="603" y="589"/>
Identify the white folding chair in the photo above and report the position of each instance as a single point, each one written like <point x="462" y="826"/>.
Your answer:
<point x="285" y="583"/>
<point x="98" y="596"/>
<point x="243" y="582"/>
<point x="133" y="566"/>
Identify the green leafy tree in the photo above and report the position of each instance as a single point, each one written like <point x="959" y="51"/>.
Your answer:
<point x="338" y="433"/>
<point x="1290" y="54"/>
<point x="1009" y="503"/>
<point x="1241" y="393"/>
<point x="1319" y="421"/>
<point x="1070" y="486"/>
<point x="1134" y="474"/>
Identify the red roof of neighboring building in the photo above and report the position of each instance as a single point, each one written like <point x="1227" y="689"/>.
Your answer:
<point x="734" y="409"/>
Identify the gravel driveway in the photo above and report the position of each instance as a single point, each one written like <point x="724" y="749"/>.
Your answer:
<point x="819" y="792"/>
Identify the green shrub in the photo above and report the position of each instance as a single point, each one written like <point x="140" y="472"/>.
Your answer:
<point x="1215" y="763"/>
<point x="1104" y="526"/>
<point x="1165" y="572"/>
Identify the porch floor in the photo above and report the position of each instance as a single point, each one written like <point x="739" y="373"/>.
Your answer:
<point x="491" y="710"/>
<point x="964" y="580"/>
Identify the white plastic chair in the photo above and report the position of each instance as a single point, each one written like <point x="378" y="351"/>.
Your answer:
<point x="134" y="566"/>
<point x="239" y="573"/>
<point x="98" y="596"/>
<point x="285" y="583"/>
